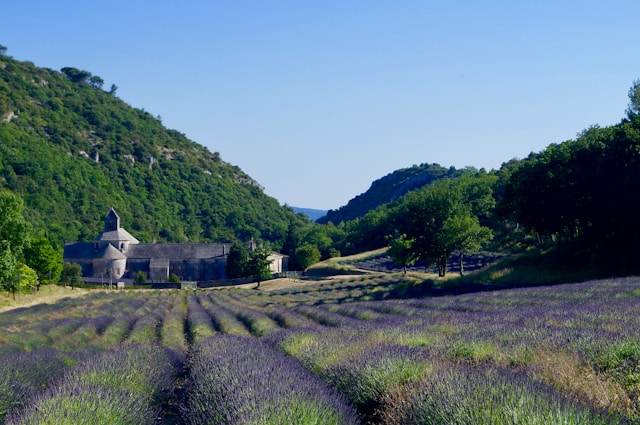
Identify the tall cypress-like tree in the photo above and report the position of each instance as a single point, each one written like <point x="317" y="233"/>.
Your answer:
<point x="237" y="262"/>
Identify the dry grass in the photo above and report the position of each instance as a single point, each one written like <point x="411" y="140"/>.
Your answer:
<point x="570" y="374"/>
<point x="286" y="283"/>
<point x="47" y="294"/>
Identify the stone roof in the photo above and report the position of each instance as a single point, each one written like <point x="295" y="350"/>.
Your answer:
<point x="85" y="250"/>
<point x="119" y="235"/>
<point x="159" y="263"/>
<point x="111" y="253"/>
<point x="78" y="250"/>
<point x="186" y="251"/>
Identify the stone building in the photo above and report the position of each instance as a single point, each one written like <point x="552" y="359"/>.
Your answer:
<point x="116" y="254"/>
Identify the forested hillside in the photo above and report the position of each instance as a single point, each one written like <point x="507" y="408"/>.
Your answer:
<point x="72" y="150"/>
<point x="577" y="199"/>
<point x="388" y="189"/>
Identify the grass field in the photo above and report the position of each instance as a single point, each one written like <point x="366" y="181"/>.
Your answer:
<point x="341" y="349"/>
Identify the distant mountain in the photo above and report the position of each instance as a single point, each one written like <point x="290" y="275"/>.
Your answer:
<point x="311" y="213"/>
<point x="73" y="150"/>
<point x="389" y="188"/>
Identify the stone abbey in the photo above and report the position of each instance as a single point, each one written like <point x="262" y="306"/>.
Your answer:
<point x="116" y="255"/>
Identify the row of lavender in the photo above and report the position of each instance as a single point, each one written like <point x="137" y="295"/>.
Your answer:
<point x="126" y="385"/>
<point x="565" y="354"/>
<point x="62" y="334"/>
<point x="57" y="369"/>
<point x="241" y="380"/>
<point x="44" y="347"/>
<point x="130" y="383"/>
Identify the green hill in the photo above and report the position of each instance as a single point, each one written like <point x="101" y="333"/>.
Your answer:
<point x="389" y="188"/>
<point x="73" y="150"/>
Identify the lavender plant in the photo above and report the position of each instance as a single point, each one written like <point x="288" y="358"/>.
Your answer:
<point x="257" y="322"/>
<point x="287" y="318"/>
<point x="86" y="404"/>
<point x="486" y="396"/>
<point x="121" y="386"/>
<point x="85" y="334"/>
<point x="198" y="321"/>
<point x="23" y="375"/>
<point x="172" y="332"/>
<point x="116" y="331"/>
<point x="224" y="321"/>
<point x="239" y="380"/>
<point x="146" y="329"/>
<point x="325" y="317"/>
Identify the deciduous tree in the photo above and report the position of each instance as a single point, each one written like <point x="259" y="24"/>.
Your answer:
<point x="401" y="251"/>
<point x="464" y="234"/>
<point x="307" y="255"/>
<point x="44" y="259"/>
<point x="27" y="278"/>
<point x="259" y="262"/>
<point x="71" y="274"/>
<point x="439" y="220"/>
<point x="14" y="236"/>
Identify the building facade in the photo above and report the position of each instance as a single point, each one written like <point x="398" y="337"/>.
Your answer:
<point x="116" y="254"/>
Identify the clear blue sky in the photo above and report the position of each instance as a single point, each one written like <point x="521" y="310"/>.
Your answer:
<point x="317" y="99"/>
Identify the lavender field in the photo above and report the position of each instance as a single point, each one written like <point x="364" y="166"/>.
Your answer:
<point x="326" y="353"/>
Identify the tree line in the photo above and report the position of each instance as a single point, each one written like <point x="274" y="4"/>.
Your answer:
<point x="578" y="197"/>
<point x="583" y="194"/>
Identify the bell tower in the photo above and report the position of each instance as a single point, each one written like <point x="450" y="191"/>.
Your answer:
<point x="111" y="221"/>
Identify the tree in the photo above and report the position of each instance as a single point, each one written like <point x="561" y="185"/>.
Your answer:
<point x="439" y="220"/>
<point x="291" y="244"/>
<point x="44" y="259"/>
<point x="75" y="75"/>
<point x="27" y="278"/>
<point x="141" y="278"/>
<point x="8" y="264"/>
<point x="14" y="236"/>
<point x="237" y="262"/>
<point x="401" y="251"/>
<point x="113" y="89"/>
<point x="96" y="81"/>
<point x="633" y="110"/>
<point x="71" y="274"/>
<point x="317" y="236"/>
<point x="307" y="255"/>
<point x="3" y="50"/>
<point x="463" y="233"/>
<point x="259" y="262"/>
